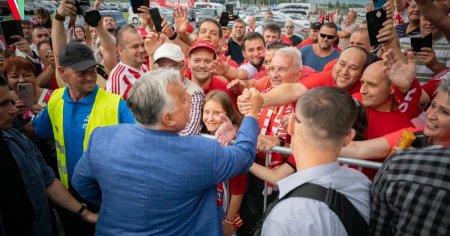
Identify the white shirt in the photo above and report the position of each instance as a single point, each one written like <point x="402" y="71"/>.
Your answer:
<point x="304" y="216"/>
<point x="122" y="78"/>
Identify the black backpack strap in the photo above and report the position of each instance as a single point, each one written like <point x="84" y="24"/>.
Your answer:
<point x="351" y="219"/>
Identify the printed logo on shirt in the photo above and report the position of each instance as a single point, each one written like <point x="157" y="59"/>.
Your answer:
<point x="86" y="121"/>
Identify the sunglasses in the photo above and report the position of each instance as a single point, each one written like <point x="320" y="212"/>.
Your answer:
<point x="289" y="27"/>
<point x="327" y="36"/>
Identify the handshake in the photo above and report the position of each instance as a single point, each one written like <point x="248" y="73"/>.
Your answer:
<point x="250" y="102"/>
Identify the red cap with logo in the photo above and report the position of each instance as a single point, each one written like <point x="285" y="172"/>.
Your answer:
<point x="202" y="44"/>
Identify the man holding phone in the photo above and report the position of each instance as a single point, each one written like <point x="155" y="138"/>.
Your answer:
<point x="429" y="61"/>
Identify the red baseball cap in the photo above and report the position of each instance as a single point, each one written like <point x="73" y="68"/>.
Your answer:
<point x="202" y="44"/>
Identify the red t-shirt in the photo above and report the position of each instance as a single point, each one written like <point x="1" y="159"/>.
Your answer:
<point x="382" y="123"/>
<point x="308" y="41"/>
<point x="286" y="40"/>
<point x="325" y="78"/>
<point x="238" y="186"/>
<point x="218" y="84"/>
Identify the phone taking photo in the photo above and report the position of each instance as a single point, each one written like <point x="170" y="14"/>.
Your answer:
<point x="11" y="28"/>
<point x="135" y="4"/>
<point x="25" y="92"/>
<point x="156" y="18"/>
<point x="375" y="20"/>
<point x="418" y="42"/>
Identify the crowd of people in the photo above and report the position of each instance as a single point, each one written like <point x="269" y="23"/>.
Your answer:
<point x="101" y="126"/>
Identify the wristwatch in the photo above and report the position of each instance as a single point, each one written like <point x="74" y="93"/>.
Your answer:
<point x="82" y="208"/>
<point x="59" y="17"/>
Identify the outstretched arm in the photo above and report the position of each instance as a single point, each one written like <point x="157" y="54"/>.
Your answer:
<point x="367" y="149"/>
<point x="269" y="175"/>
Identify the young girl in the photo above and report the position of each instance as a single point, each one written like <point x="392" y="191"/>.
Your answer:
<point x="215" y="104"/>
<point x="42" y="18"/>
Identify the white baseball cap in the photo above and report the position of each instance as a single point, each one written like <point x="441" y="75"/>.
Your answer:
<point x="169" y="51"/>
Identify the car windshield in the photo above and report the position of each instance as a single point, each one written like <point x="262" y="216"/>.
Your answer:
<point x="207" y="11"/>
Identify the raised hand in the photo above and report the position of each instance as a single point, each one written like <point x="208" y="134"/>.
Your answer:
<point x="427" y="56"/>
<point x="145" y="14"/>
<point x="387" y="35"/>
<point x="226" y="132"/>
<point x="166" y="28"/>
<point x="389" y="7"/>
<point x="220" y="67"/>
<point x="180" y="20"/>
<point x="22" y="45"/>
<point x="152" y="41"/>
<point x="257" y="102"/>
<point x="237" y="86"/>
<point x="244" y="103"/>
<point x="266" y="142"/>
<point x="400" y="73"/>
<point x="67" y="8"/>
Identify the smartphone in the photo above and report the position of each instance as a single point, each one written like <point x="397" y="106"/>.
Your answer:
<point x="50" y="42"/>
<point x="25" y="92"/>
<point x="135" y="4"/>
<point x="375" y="20"/>
<point x="378" y="3"/>
<point x="10" y="28"/>
<point x="156" y="18"/>
<point x="418" y="42"/>
<point x="229" y="9"/>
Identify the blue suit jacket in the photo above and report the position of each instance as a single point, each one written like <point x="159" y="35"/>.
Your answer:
<point x="152" y="182"/>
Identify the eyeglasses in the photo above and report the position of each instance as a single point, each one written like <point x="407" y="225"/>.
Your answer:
<point x="326" y="36"/>
<point x="289" y="27"/>
<point x="173" y="66"/>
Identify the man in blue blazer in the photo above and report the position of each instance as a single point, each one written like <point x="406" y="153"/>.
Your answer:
<point x="149" y="180"/>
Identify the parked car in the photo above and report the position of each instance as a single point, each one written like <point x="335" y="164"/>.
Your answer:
<point x="113" y="6"/>
<point x="116" y="15"/>
<point x="205" y="13"/>
<point x="251" y="11"/>
<point x="279" y="18"/>
<point x="192" y="12"/>
<point x="167" y="13"/>
<point x="124" y="6"/>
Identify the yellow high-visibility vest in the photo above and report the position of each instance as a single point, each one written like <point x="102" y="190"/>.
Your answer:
<point x="105" y="111"/>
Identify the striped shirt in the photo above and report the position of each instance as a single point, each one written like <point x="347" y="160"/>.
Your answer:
<point x="122" y="78"/>
<point x="411" y="194"/>
<point x="441" y="48"/>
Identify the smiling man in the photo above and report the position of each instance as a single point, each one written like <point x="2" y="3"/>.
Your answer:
<point x="345" y="74"/>
<point x="201" y="57"/>
<point x="322" y="52"/>
<point x="130" y="47"/>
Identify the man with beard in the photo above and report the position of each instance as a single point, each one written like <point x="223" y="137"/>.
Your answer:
<point x="253" y="49"/>
<point x="130" y="46"/>
<point x="234" y="42"/>
<point x="110" y="24"/>
<point x="322" y="52"/>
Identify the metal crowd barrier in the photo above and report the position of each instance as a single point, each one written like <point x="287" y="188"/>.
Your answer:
<point x="346" y="161"/>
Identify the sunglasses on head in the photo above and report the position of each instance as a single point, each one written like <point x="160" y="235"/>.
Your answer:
<point x="327" y="36"/>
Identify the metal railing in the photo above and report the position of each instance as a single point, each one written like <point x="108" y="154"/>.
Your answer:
<point x="346" y="161"/>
